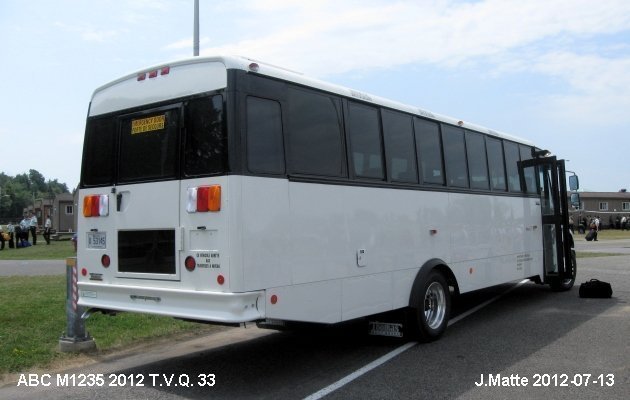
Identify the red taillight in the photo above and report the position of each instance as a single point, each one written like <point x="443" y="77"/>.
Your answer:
<point x="204" y="199"/>
<point x="96" y="205"/>
<point x="220" y="279"/>
<point x="273" y="299"/>
<point x="84" y="271"/>
<point x="105" y="260"/>
<point x="190" y="263"/>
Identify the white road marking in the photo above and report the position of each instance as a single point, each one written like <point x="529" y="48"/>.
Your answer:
<point x="383" y="359"/>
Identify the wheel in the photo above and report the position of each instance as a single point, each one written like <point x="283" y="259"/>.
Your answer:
<point x="429" y="317"/>
<point x="561" y="285"/>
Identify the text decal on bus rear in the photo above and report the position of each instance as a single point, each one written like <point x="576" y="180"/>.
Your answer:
<point x="208" y="260"/>
<point x="148" y="124"/>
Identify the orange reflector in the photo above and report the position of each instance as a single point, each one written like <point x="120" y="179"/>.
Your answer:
<point x="214" y="198"/>
<point x="87" y="206"/>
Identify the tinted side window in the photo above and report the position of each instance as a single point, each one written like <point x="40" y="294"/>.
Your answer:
<point x="529" y="173"/>
<point x="455" y="156"/>
<point x="205" y="151"/>
<point x="314" y="129"/>
<point x="477" y="163"/>
<point x="365" y="141"/>
<point x="399" y="146"/>
<point x="265" y="148"/>
<point x="511" y="166"/>
<point x="99" y="152"/>
<point x="429" y="151"/>
<point x="495" y="162"/>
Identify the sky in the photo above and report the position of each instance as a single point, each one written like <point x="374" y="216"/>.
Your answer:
<point x="555" y="72"/>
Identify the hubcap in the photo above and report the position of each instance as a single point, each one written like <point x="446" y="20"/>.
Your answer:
<point x="434" y="305"/>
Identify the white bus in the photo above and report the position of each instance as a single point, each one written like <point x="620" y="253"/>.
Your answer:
<point x="226" y="190"/>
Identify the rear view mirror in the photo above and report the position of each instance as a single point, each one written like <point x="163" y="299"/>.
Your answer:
<point x="574" y="183"/>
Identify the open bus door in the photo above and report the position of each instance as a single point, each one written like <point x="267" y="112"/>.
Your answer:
<point x="558" y="253"/>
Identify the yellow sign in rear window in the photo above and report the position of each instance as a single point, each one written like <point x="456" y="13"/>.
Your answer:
<point x="147" y="124"/>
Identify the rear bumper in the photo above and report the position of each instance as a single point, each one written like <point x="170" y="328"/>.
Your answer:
<point x="187" y="304"/>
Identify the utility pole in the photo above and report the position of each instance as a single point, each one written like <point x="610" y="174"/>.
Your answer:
<point x="196" y="30"/>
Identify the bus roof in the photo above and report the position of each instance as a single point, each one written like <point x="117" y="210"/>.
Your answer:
<point x="262" y="68"/>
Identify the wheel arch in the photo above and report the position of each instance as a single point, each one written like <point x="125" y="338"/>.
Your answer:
<point x="423" y="272"/>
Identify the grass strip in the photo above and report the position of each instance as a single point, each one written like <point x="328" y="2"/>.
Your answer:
<point x="33" y="318"/>
<point x="56" y="250"/>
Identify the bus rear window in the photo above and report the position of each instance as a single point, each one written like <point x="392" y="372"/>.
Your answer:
<point x="98" y="152"/>
<point x="148" y="145"/>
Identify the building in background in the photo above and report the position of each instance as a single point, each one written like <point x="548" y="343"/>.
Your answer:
<point x="610" y="207"/>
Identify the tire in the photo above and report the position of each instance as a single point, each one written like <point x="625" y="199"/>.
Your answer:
<point x="429" y="317"/>
<point x="562" y="285"/>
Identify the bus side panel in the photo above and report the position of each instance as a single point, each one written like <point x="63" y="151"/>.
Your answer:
<point x="332" y="225"/>
<point x="312" y="302"/>
<point x="498" y="240"/>
<point x="266" y="238"/>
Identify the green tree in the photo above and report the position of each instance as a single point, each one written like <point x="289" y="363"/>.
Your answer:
<point x="18" y="192"/>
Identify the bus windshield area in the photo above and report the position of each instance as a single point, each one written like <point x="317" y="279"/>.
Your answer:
<point x="173" y="141"/>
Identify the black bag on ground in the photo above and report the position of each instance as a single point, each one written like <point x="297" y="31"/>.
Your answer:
<point x="590" y="235"/>
<point x="596" y="289"/>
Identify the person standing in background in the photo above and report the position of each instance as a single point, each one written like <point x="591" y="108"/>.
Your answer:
<point x="24" y="229"/>
<point x="33" y="227"/>
<point x="47" y="228"/>
<point x="11" y="231"/>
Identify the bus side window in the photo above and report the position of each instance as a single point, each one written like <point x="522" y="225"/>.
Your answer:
<point x="529" y="173"/>
<point x="455" y="156"/>
<point x="365" y="141"/>
<point x="265" y="147"/>
<point x="511" y="166"/>
<point x="477" y="161"/>
<point x="315" y="135"/>
<point x="495" y="162"/>
<point x="429" y="149"/>
<point x="399" y="146"/>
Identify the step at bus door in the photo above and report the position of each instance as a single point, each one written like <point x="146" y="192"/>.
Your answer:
<point x="551" y="180"/>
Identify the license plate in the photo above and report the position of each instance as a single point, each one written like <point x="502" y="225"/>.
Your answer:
<point x="96" y="240"/>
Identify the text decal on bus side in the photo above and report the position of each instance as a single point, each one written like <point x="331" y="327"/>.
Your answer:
<point x="147" y="124"/>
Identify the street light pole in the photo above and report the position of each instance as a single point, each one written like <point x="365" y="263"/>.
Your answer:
<point x="196" y="30"/>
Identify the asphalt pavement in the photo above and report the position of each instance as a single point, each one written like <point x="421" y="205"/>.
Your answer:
<point x="32" y="267"/>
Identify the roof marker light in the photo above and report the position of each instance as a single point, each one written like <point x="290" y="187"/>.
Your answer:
<point x="254" y="67"/>
<point x="165" y="70"/>
<point x="142" y="77"/>
<point x="153" y="74"/>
